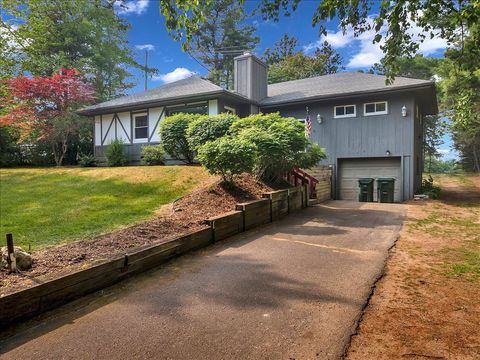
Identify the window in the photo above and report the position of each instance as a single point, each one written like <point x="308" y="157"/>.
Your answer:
<point x="189" y="109"/>
<point x="345" y="111"/>
<point x="141" y="125"/>
<point x="376" y="108"/>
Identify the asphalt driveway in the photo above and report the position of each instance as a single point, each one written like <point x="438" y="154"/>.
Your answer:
<point x="291" y="290"/>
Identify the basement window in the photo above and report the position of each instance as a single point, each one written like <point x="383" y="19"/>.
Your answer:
<point x="375" y="108"/>
<point x="345" y="111"/>
<point x="141" y="125"/>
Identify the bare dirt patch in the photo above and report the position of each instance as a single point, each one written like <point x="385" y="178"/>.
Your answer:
<point x="183" y="216"/>
<point x="427" y="305"/>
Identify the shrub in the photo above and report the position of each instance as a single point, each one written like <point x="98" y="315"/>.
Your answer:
<point x="428" y="188"/>
<point x="208" y="128"/>
<point x="115" y="153"/>
<point x="153" y="155"/>
<point x="174" y="138"/>
<point x="227" y="157"/>
<point x="87" y="160"/>
<point x="280" y="143"/>
<point x="312" y="156"/>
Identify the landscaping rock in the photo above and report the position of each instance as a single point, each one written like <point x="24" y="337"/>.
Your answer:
<point x="24" y="260"/>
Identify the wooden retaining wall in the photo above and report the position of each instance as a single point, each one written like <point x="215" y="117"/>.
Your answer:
<point x="324" y="187"/>
<point x="226" y="225"/>
<point x="255" y="213"/>
<point x="278" y="204"/>
<point x="40" y="298"/>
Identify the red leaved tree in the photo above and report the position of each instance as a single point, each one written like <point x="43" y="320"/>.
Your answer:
<point x="43" y="108"/>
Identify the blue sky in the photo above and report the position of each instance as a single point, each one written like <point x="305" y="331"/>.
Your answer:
<point x="148" y="31"/>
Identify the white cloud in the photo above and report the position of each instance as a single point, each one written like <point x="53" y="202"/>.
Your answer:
<point x="364" y="52"/>
<point x="175" y="75"/>
<point x="430" y="46"/>
<point x="9" y="36"/>
<point x="137" y="7"/>
<point x="148" y="47"/>
<point x="336" y="39"/>
<point x="369" y="55"/>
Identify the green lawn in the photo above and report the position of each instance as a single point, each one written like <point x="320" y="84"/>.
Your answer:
<point x="54" y="205"/>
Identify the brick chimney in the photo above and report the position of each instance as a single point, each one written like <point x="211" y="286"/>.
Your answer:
<point x="250" y="76"/>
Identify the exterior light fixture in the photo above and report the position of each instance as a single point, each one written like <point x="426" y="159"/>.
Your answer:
<point x="404" y="111"/>
<point x="319" y="118"/>
<point x="388" y="152"/>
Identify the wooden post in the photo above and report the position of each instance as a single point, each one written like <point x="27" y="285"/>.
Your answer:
<point x="12" y="264"/>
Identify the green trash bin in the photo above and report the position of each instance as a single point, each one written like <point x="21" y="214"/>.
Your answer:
<point x="385" y="190"/>
<point x="366" y="190"/>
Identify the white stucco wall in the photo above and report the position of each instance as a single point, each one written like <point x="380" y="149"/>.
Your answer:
<point x="153" y="126"/>
<point x="98" y="139"/>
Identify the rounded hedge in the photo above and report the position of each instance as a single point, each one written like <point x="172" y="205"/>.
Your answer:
<point x="208" y="128"/>
<point x="227" y="157"/>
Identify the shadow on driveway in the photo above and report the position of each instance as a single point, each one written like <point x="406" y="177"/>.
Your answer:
<point x="294" y="288"/>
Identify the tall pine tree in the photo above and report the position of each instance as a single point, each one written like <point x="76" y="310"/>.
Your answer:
<point x="223" y="35"/>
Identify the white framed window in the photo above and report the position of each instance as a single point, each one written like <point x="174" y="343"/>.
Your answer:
<point x="375" y="108"/>
<point x="194" y="108"/>
<point x="344" y="111"/>
<point x="140" y="123"/>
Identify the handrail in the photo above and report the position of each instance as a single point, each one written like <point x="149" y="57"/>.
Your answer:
<point x="305" y="179"/>
<point x="307" y="175"/>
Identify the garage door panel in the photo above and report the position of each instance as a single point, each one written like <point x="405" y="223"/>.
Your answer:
<point x="350" y="170"/>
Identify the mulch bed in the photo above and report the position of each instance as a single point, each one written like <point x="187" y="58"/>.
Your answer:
<point x="185" y="215"/>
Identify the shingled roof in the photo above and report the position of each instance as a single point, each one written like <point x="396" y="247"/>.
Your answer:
<point x="320" y="87"/>
<point x="188" y="87"/>
<point x="338" y="84"/>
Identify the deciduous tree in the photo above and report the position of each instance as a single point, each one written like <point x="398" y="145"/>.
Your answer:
<point x="324" y="61"/>
<point x="41" y="36"/>
<point x="396" y="24"/>
<point x="44" y="107"/>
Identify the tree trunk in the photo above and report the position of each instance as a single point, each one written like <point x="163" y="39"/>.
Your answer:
<point x="54" y="151"/>
<point x="64" y="151"/>
<point x="476" y="161"/>
<point x="59" y="156"/>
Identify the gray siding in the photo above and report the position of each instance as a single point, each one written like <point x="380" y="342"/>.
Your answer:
<point x="250" y="78"/>
<point x="365" y="136"/>
<point x="241" y="79"/>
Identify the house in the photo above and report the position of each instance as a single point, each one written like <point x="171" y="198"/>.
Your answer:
<point x="368" y="128"/>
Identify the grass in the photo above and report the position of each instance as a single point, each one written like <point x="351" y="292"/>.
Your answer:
<point x="49" y="206"/>
<point x="460" y="228"/>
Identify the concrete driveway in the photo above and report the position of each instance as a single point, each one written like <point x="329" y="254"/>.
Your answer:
<point x="294" y="289"/>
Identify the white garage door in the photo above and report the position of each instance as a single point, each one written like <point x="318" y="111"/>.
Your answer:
<point x="350" y="170"/>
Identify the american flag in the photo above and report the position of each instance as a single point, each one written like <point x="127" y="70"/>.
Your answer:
<point x="308" y="126"/>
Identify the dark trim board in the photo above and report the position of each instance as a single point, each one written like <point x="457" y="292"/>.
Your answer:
<point x="156" y="124"/>
<point x="108" y="130"/>
<point x="125" y="131"/>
